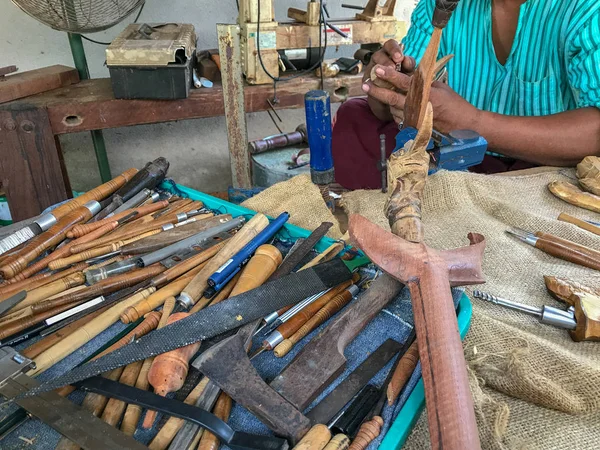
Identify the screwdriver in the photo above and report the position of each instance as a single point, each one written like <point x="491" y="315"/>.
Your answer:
<point x="546" y="314"/>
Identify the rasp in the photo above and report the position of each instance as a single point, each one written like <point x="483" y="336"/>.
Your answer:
<point x="7" y="304"/>
<point x="214" y="320"/>
<point x="353" y="383"/>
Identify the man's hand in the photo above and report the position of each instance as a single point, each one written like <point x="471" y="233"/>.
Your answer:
<point x="390" y="55"/>
<point x="450" y="110"/>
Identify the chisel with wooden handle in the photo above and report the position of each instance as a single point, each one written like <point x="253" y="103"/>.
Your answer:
<point x="38" y="280"/>
<point x="580" y="223"/>
<point x="46" y="221"/>
<point x="47" y="239"/>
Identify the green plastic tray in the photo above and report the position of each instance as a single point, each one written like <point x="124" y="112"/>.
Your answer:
<point x="410" y="412"/>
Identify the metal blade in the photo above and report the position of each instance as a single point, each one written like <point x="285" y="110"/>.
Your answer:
<point x="10" y="302"/>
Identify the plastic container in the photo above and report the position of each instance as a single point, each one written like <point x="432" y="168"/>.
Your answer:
<point x="410" y="412"/>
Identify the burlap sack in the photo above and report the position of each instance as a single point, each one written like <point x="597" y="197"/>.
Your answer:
<point x="289" y="196"/>
<point x="533" y="387"/>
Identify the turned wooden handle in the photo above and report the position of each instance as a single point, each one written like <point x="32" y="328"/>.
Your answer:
<point x="367" y="432"/>
<point x="404" y="370"/>
<point x="83" y="229"/>
<point x="255" y="225"/>
<point x="98" y="193"/>
<point x="571" y="253"/>
<point x="574" y="245"/>
<point x="147" y="304"/>
<point x="167" y="433"/>
<point x="258" y="270"/>
<point x="222" y="410"/>
<point x="332" y="307"/>
<point x="149" y="323"/>
<point x="37" y="281"/>
<point x="83" y="256"/>
<point x="36" y="246"/>
<point x="87" y="332"/>
<point x="18" y="325"/>
<point x="45" y="343"/>
<point x="103" y="287"/>
<point x="288" y="328"/>
<point x="65" y="250"/>
<point x="580" y="223"/>
<point x="50" y="289"/>
<point x="187" y="265"/>
<point x="316" y="438"/>
<point x="338" y="442"/>
<point x="115" y="408"/>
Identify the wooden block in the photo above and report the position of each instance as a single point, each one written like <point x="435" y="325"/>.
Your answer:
<point x="35" y="81"/>
<point x="30" y="168"/>
<point x="207" y="68"/>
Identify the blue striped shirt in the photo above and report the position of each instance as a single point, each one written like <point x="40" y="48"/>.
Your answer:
<point x="553" y="66"/>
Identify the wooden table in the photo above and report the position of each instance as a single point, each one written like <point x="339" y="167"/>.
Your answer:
<point x="32" y="170"/>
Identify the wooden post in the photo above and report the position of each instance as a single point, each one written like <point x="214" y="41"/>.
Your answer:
<point x="30" y="167"/>
<point x="233" y="99"/>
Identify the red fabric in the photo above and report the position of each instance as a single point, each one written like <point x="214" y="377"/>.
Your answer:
<point x="355" y="147"/>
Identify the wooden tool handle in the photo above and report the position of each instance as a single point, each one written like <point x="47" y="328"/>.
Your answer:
<point x="568" y="253"/>
<point x="367" y="432"/>
<point x="338" y="442"/>
<point x="332" y="307"/>
<point x="87" y="332"/>
<point x="166" y="434"/>
<point x="98" y="193"/>
<point x="37" y="281"/>
<point x="222" y="410"/>
<point x="580" y="223"/>
<point x="134" y="312"/>
<point x="288" y="328"/>
<point x="258" y="270"/>
<point x="221" y="295"/>
<point x="449" y="404"/>
<point x="149" y="323"/>
<point x="65" y="250"/>
<point x="43" y="292"/>
<point x="41" y="242"/>
<point x="103" y="287"/>
<point x="328" y="254"/>
<point x="83" y="256"/>
<point x="115" y="408"/>
<point x="134" y="412"/>
<point x="187" y="265"/>
<point x="18" y="325"/>
<point x="316" y="438"/>
<point x="574" y="245"/>
<point x="255" y="225"/>
<point x="45" y="343"/>
<point x="83" y="229"/>
<point x="404" y="370"/>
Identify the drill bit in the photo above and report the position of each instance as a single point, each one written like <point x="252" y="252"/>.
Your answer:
<point x="546" y="314"/>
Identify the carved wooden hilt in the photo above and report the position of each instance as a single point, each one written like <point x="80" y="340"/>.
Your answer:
<point x="368" y="431"/>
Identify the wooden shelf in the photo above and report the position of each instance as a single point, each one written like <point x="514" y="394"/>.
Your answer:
<point x="90" y="104"/>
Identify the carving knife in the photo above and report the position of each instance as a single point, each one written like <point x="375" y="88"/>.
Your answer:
<point x="213" y="320"/>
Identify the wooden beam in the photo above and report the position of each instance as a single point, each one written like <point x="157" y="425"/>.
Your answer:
<point x="30" y="166"/>
<point x="33" y="82"/>
<point x="90" y="104"/>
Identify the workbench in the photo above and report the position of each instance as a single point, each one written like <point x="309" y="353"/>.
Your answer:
<point x="32" y="169"/>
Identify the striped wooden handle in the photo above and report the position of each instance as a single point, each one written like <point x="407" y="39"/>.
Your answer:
<point x="37" y="281"/>
<point x="167" y="433"/>
<point x="98" y="193"/>
<point x="255" y="225"/>
<point x="222" y="410"/>
<point x="404" y="369"/>
<point x="103" y="287"/>
<point x="65" y="250"/>
<point x="338" y="442"/>
<point x="83" y="229"/>
<point x="332" y="307"/>
<point x="42" y="242"/>
<point x="43" y="292"/>
<point x="187" y="265"/>
<point x="367" y="432"/>
<point x="87" y="332"/>
<point x="134" y="312"/>
<point x="83" y="256"/>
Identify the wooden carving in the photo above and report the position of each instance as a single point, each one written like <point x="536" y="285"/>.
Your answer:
<point x="575" y="196"/>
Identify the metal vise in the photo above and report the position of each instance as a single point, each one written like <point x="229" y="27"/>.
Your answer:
<point x="459" y="150"/>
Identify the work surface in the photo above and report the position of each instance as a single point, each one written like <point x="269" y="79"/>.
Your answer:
<point x="90" y="104"/>
<point x="533" y="387"/>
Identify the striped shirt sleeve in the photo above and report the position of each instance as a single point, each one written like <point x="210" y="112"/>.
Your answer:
<point x="583" y="53"/>
<point x="420" y="29"/>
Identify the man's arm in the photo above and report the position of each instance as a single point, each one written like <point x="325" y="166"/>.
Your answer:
<point x="562" y="139"/>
